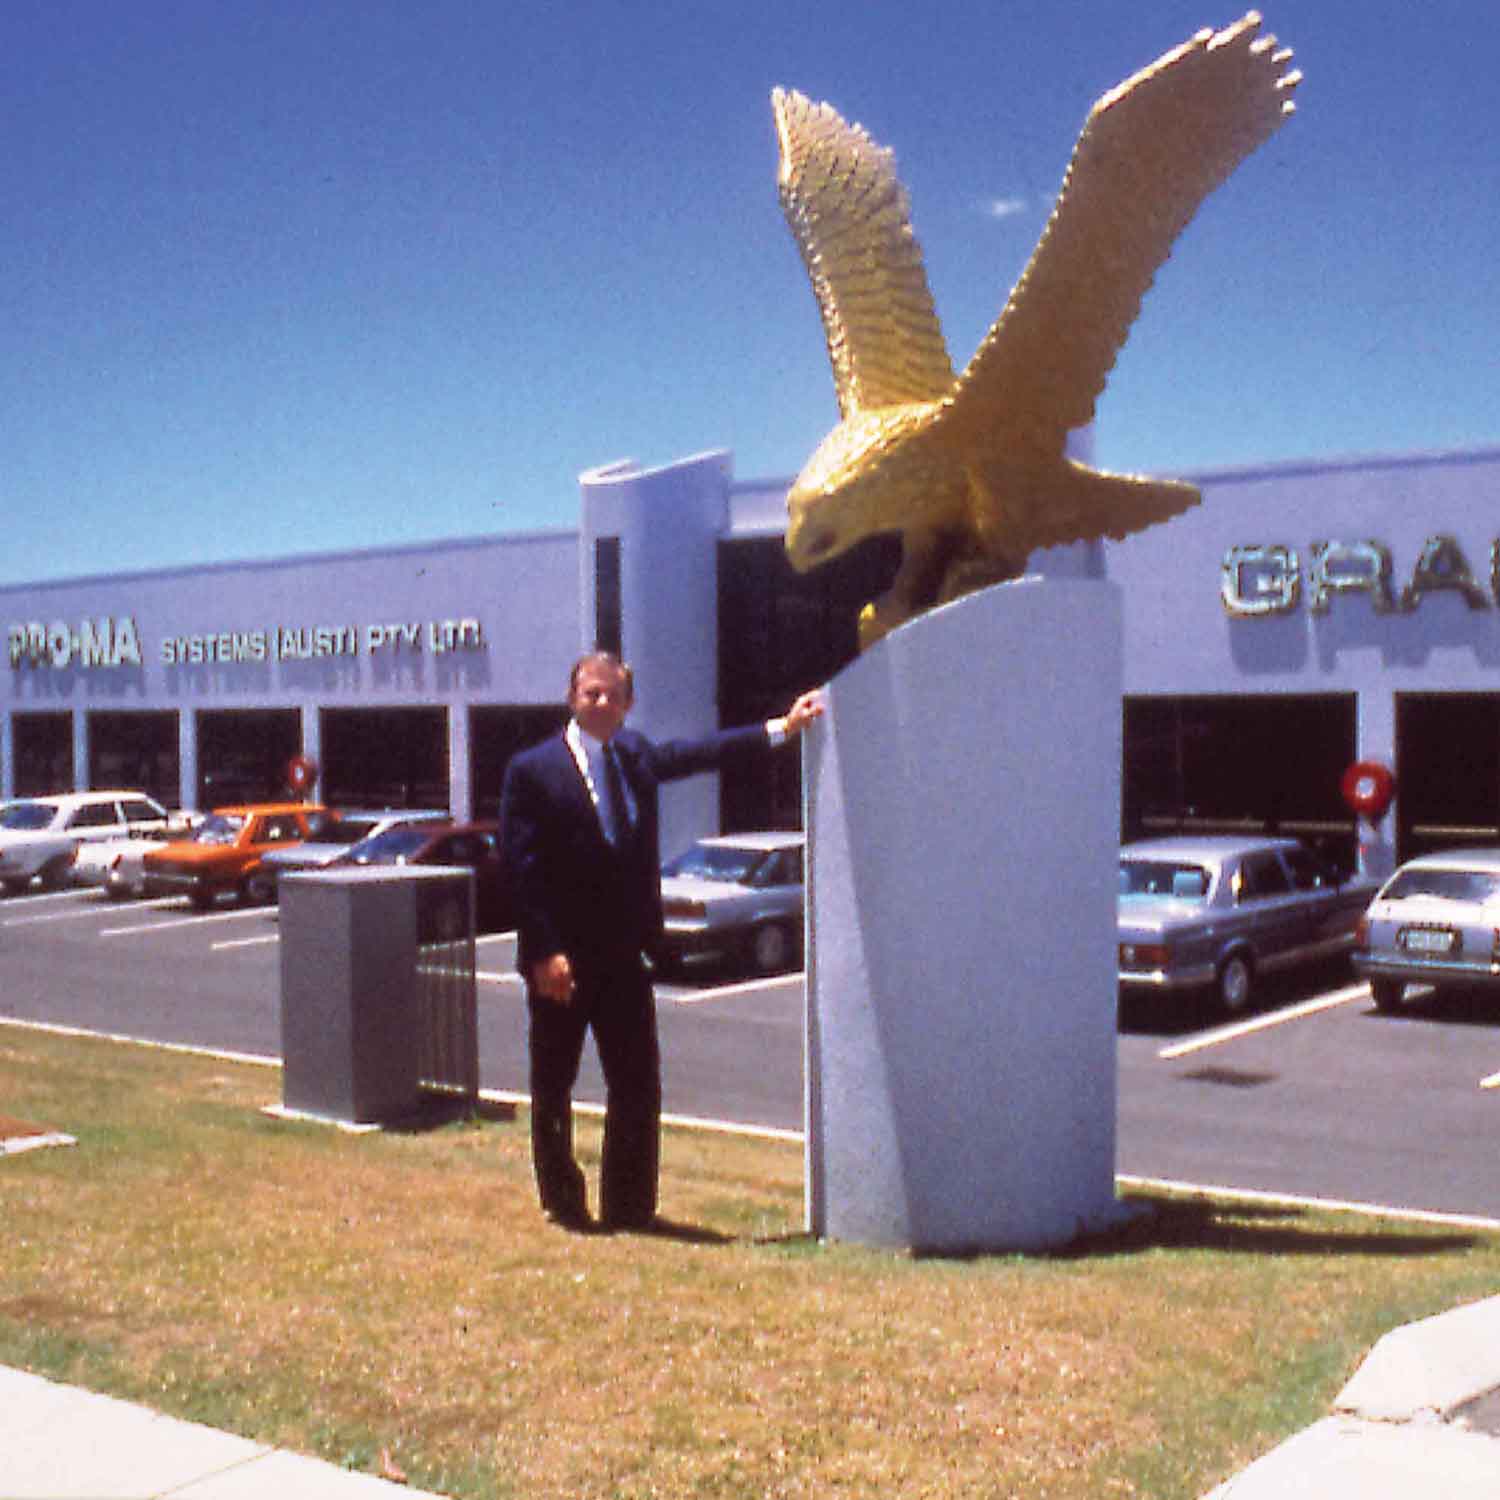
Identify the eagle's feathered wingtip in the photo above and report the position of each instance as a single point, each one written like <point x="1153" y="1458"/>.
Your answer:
<point x="785" y="104"/>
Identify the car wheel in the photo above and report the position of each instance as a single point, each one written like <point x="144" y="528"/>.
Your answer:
<point x="1387" y="993"/>
<point x="770" y="948"/>
<point x="13" y="887"/>
<point x="201" y="900"/>
<point x="55" y="873"/>
<point x="258" y="889"/>
<point x="1235" y="984"/>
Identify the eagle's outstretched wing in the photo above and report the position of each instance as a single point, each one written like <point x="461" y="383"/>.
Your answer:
<point x="1151" y="151"/>
<point x="849" y="216"/>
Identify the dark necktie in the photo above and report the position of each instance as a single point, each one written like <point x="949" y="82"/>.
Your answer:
<point x="617" y="820"/>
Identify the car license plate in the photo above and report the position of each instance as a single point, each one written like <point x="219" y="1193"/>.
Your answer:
<point x="1429" y="940"/>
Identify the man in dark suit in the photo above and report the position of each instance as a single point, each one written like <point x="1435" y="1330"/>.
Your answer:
<point x="579" y="824"/>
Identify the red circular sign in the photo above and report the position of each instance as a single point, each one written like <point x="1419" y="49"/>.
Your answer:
<point x="1368" y="788"/>
<point x="301" y="773"/>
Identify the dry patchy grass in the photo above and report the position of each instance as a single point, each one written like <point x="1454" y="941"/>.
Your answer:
<point x="345" y="1294"/>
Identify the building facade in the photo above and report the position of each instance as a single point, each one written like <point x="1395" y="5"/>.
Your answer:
<point x="1303" y="618"/>
<point x="1307" y="616"/>
<point x="404" y="674"/>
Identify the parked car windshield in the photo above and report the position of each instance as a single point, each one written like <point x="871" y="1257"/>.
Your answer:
<point x="1447" y="885"/>
<point x="27" y="817"/>
<point x="1170" y="879"/>
<point x="219" y="828"/>
<point x="714" y="862"/>
<point x="325" y="828"/>
<point x="390" y="847"/>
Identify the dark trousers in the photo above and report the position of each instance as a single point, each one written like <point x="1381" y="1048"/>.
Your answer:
<point x="615" y="1001"/>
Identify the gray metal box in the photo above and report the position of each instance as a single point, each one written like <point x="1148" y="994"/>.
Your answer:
<point x="350" y="1026"/>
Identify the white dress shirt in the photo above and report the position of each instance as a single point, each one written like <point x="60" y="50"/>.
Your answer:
<point x="588" y="755"/>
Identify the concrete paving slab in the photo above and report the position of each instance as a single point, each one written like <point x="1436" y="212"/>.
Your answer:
<point x="65" y="1444"/>
<point x="60" y="1443"/>
<point x="291" y="1476"/>
<point x="1419" y="1417"/>
<point x="1434" y="1365"/>
<point x="1343" y="1458"/>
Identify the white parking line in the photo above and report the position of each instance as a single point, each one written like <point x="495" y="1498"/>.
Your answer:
<point x="786" y="981"/>
<point x="275" y="937"/>
<point x="35" y="898"/>
<point x="723" y="991"/>
<point x="1492" y="1082"/>
<point x="686" y="1122"/>
<point x="52" y="1028"/>
<point x="71" y="915"/>
<point x="87" y="909"/>
<point x="255" y="942"/>
<point x="1231" y="1195"/>
<point x="194" y="921"/>
<point x="1264" y="1023"/>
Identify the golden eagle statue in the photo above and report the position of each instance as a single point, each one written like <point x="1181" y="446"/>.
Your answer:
<point x="971" y="470"/>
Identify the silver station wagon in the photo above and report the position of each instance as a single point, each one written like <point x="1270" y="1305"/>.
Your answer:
<point x="1436" y="921"/>
<point x="1216" y="914"/>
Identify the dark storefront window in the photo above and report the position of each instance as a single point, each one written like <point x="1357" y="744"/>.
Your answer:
<point x="780" y="633"/>
<point x="243" y="754"/>
<point x="495" y="734"/>
<point x="44" y="753"/>
<point x="1252" y="763"/>
<point x="385" y="757"/>
<point x="1447" y="771"/>
<point x="135" y="752"/>
<point x="608" y="631"/>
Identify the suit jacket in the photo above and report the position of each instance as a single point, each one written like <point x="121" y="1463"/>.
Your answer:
<point x="575" y="892"/>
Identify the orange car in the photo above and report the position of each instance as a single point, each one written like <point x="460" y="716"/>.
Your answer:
<point x="224" y="853"/>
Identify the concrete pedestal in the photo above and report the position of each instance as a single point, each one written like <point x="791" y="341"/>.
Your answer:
<point x="963" y="819"/>
<point x="350" y="1026"/>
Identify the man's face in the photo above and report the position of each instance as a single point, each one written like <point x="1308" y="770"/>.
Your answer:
<point x="600" y="699"/>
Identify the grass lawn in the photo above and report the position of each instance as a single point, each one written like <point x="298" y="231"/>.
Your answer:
<point x="352" y="1295"/>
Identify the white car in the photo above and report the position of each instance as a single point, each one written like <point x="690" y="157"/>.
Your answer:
<point x="738" y="896"/>
<point x="115" y="865"/>
<point x="1435" y="922"/>
<point x="40" y="836"/>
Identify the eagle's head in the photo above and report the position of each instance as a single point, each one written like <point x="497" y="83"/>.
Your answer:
<point x="861" y="480"/>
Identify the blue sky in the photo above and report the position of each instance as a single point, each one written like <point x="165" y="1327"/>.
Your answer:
<point x="287" y="277"/>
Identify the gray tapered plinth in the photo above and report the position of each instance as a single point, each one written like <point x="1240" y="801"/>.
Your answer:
<point x="963" y="816"/>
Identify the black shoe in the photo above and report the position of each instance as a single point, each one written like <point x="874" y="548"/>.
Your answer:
<point x="629" y="1223"/>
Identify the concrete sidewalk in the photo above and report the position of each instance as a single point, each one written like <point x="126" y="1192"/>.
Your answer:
<point x="58" y="1443"/>
<point x="1421" y="1417"/>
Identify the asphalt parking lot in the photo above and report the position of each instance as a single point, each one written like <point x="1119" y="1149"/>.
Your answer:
<point x="1315" y="1095"/>
<point x="158" y="971"/>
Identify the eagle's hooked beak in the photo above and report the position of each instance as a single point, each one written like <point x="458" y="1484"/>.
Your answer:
<point x="809" y="538"/>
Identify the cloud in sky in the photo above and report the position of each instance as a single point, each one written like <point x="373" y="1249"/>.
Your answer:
<point x="1003" y="208"/>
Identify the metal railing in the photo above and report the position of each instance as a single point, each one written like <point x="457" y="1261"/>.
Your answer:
<point x="445" y="993"/>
